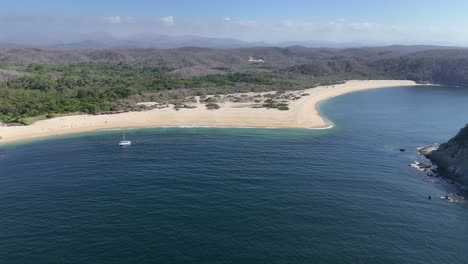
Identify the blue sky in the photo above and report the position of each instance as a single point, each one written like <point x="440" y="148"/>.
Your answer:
<point x="378" y="10"/>
<point x="340" y="20"/>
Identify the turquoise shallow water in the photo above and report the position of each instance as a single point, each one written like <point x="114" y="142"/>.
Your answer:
<point x="216" y="195"/>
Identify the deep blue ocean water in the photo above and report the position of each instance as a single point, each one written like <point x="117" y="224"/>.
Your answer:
<point x="221" y="195"/>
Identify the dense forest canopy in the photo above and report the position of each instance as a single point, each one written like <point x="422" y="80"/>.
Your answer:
<point x="39" y="82"/>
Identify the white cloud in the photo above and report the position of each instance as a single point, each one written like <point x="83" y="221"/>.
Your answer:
<point x="113" y="19"/>
<point x="241" y="23"/>
<point x="168" y="21"/>
<point x="119" y="19"/>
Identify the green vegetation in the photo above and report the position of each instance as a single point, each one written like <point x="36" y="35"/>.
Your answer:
<point x="270" y="103"/>
<point x="51" y="115"/>
<point x="99" y="87"/>
<point x="212" y="106"/>
<point x="35" y="82"/>
<point x="283" y="107"/>
<point x="225" y="69"/>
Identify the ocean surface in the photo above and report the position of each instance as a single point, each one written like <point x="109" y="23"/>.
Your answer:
<point x="219" y="195"/>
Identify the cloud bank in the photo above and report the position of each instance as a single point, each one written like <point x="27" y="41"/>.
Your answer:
<point x="168" y="21"/>
<point x="119" y="19"/>
<point x="42" y="29"/>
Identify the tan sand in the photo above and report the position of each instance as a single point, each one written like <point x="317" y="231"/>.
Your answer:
<point x="302" y="114"/>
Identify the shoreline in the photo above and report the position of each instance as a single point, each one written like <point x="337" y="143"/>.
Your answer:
<point x="303" y="113"/>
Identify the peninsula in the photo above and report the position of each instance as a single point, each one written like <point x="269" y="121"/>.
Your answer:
<point x="302" y="113"/>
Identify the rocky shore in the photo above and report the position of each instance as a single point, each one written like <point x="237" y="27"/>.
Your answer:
<point x="451" y="157"/>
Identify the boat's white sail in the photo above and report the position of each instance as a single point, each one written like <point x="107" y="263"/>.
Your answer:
<point x="124" y="142"/>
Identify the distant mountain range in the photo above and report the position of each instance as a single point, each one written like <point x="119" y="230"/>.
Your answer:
<point x="106" y="41"/>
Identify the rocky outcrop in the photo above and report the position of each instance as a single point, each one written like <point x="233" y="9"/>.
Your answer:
<point x="452" y="157"/>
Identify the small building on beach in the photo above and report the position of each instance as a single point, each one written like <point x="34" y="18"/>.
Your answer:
<point x="256" y="60"/>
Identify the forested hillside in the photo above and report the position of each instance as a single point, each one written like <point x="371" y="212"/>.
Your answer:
<point x="39" y="82"/>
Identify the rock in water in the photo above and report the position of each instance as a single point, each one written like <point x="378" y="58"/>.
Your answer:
<point x="452" y="157"/>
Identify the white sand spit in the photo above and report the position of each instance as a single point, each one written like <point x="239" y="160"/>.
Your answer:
<point x="302" y="114"/>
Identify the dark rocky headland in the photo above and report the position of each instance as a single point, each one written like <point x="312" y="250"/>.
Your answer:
<point x="452" y="157"/>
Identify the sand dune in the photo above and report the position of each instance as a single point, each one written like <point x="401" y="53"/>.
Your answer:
<point x="302" y="114"/>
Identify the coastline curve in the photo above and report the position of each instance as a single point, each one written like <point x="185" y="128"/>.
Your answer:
<point x="304" y="113"/>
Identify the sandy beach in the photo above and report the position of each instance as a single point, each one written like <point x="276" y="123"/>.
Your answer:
<point x="302" y="114"/>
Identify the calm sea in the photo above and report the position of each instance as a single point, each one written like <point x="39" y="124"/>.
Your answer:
<point x="216" y="195"/>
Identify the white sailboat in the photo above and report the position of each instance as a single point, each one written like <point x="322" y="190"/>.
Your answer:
<point x="124" y="142"/>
